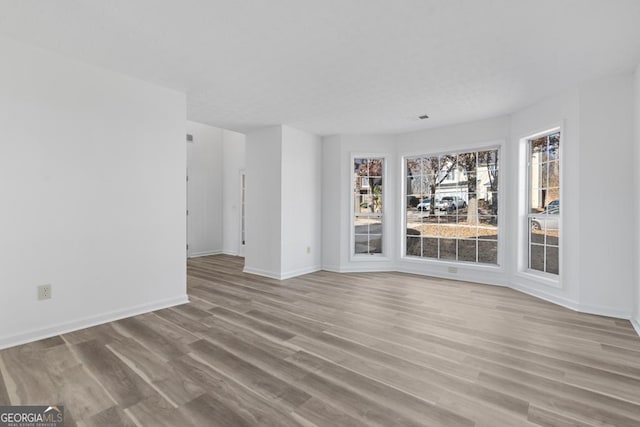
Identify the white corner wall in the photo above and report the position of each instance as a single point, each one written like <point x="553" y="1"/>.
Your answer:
<point x="598" y="251"/>
<point x="333" y="205"/>
<point x="561" y="110"/>
<point x="607" y="247"/>
<point x="92" y="165"/>
<point x="204" y="167"/>
<point x="597" y="248"/>
<point x="263" y="202"/>
<point x="234" y="162"/>
<point x="283" y="206"/>
<point x="474" y="135"/>
<point x="301" y="202"/>
<point x="336" y="202"/>
<point x="636" y="197"/>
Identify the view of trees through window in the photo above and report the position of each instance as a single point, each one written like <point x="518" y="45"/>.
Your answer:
<point x="452" y="206"/>
<point x="544" y="203"/>
<point x="368" y="199"/>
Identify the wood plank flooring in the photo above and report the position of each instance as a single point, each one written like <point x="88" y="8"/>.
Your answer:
<point x="325" y="349"/>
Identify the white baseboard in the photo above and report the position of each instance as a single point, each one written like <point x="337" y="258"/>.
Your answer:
<point x="636" y="325"/>
<point x="281" y="276"/>
<point x="204" y="253"/>
<point x="331" y="268"/>
<point x="358" y="269"/>
<point x="604" y="311"/>
<point x="461" y="276"/>
<point x="263" y="273"/>
<point x="232" y="253"/>
<point x="558" y="300"/>
<point x="300" y="272"/>
<point x="368" y="270"/>
<point x="555" y="299"/>
<point x="573" y="305"/>
<point x="87" y="322"/>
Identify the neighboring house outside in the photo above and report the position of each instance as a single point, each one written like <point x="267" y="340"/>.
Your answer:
<point x="455" y="184"/>
<point x="544" y="181"/>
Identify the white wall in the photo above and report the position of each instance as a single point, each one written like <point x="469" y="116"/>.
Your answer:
<point x="607" y="247"/>
<point x="234" y="161"/>
<point x="204" y="164"/>
<point x="214" y="160"/>
<point x="477" y="134"/>
<point x="301" y="202"/>
<point x="337" y="170"/>
<point x="334" y="209"/>
<point x="561" y="110"/>
<point x="337" y="194"/>
<point x="283" y="206"/>
<point x="598" y="251"/>
<point x="597" y="210"/>
<point x="263" y="202"/>
<point x="92" y="166"/>
<point x="636" y="197"/>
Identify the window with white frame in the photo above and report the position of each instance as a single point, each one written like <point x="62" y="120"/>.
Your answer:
<point x="543" y="216"/>
<point x="368" y="198"/>
<point x="451" y="206"/>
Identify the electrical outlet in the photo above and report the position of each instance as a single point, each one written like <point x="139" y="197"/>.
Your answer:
<point x="44" y="292"/>
<point x="453" y="269"/>
<point x="308" y="249"/>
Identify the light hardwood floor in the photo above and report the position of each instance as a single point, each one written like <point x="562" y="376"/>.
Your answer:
<point x="332" y="349"/>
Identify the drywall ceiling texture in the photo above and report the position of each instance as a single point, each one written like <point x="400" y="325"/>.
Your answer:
<point x="335" y="66"/>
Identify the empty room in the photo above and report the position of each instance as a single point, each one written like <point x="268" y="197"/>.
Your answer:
<point x="319" y="213"/>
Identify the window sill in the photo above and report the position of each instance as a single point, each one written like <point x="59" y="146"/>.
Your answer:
<point x="450" y="263"/>
<point x="541" y="278"/>
<point x="365" y="257"/>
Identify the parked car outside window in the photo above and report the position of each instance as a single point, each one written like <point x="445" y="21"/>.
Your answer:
<point x="548" y="219"/>
<point x="448" y="203"/>
<point x="554" y="204"/>
<point x="424" y="205"/>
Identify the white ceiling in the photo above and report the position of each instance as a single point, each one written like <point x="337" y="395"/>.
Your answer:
<point x="341" y="66"/>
